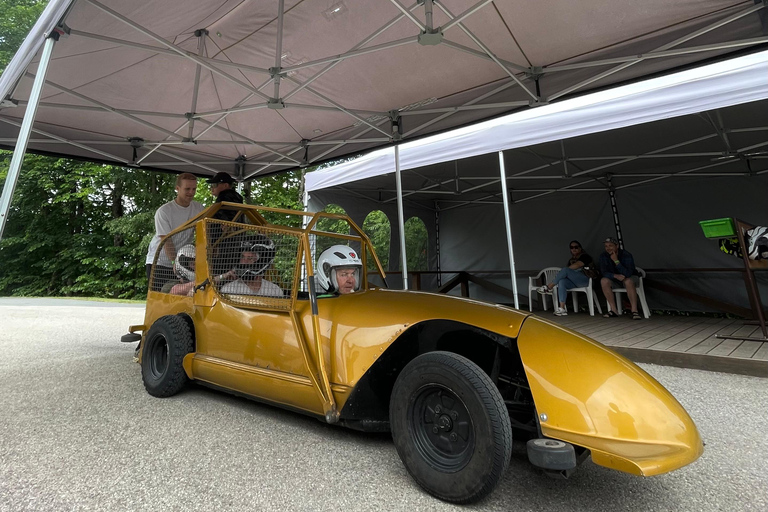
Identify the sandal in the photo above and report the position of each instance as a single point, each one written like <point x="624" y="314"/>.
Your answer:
<point x="610" y="314"/>
<point x="636" y="316"/>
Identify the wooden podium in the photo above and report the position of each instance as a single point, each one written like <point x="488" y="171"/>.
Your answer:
<point x="749" y="278"/>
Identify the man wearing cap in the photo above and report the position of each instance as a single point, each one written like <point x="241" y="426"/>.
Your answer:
<point x="220" y="182"/>
<point x="618" y="269"/>
<point x="167" y="218"/>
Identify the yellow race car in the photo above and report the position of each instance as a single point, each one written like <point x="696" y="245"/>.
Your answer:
<point x="234" y="304"/>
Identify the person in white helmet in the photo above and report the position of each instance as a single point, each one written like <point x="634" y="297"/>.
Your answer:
<point x="338" y="270"/>
<point x="184" y="268"/>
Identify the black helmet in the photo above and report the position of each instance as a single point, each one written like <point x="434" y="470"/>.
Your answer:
<point x="262" y="247"/>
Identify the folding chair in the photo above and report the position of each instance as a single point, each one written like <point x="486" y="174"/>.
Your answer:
<point x="640" y="295"/>
<point x="591" y="298"/>
<point x="549" y="274"/>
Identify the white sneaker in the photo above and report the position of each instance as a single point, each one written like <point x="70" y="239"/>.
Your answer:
<point x="544" y="289"/>
<point x="561" y="312"/>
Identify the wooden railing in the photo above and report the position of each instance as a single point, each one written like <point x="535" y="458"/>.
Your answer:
<point x="462" y="278"/>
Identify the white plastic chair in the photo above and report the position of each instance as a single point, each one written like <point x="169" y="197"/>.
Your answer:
<point x="549" y="274"/>
<point x="640" y="295"/>
<point x="591" y="298"/>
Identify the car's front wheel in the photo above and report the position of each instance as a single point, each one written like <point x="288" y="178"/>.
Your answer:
<point x="167" y="342"/>
<point x="450" y="427"/>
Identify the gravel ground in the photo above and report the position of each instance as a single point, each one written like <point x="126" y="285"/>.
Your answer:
<point x="78" y="432"/>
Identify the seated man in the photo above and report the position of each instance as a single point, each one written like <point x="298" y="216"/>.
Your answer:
<point x="618" y="269"/>
<point x="256" y="255"/>
<point x="338" y="270"/>
<point x="184" y="268"/>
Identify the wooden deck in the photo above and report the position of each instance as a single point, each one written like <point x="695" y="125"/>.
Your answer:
<point x="683" y="341"/>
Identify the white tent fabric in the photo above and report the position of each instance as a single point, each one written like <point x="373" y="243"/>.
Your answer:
<point x="732" y="82"/>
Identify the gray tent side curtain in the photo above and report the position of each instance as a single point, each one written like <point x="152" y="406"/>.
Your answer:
<point x="198" y="86"/>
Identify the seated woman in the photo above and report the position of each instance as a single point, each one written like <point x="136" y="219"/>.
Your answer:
<point x="569" y="277"/>
<point x="256" y="255"/>
<point x="338" y="270"/>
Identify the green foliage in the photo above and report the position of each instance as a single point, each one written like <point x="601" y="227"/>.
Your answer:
<point x="416" y="242"/>
<point x="278" y="191"/>
<point x="78" y="229"/>
<point x="376" y="226"/>
<point x="16" y="19"/>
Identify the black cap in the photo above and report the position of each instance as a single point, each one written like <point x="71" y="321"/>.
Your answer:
<point x="221" y="177"/>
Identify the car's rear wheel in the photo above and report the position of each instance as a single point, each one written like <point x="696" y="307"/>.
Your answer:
<point x="450" y="427"/>
<point x="167" y="342"/>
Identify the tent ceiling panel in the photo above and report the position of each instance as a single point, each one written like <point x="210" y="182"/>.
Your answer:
<point x="343" y="66"/>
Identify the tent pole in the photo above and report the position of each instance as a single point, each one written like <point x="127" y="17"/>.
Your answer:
<point x="400" y="219"/>
<point x="25" y="130"/>
<point x="615" y="210"/>
<point x="508" y="223"/>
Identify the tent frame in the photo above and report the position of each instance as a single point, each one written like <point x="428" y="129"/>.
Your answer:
<point x="517" y="75"/>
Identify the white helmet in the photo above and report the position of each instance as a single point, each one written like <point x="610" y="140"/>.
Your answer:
<point x="332" y="258"/>
<point x="185" y="262"/>
<point x="757" y="243"/>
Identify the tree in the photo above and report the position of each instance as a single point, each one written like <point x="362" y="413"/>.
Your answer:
<point x="16" y="19"/>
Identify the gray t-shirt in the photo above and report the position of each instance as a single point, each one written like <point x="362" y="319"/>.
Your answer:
<point x="167" y="218"/>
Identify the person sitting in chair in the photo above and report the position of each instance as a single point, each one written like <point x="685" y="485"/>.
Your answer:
<point x="256" y="255"/>
<point x="338" y="270"/>
<point x="618" y="269"/>
<point x="569" y="277"/>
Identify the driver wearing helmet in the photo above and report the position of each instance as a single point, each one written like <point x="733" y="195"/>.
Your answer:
<point x="256" y="255"/>
<point x="338" y="270"/>
<point x="184" y="268"/>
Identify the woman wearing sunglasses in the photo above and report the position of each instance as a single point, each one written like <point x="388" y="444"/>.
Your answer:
<point x="569" y="277"/>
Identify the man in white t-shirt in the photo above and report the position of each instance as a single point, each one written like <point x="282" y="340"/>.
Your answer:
<point x="167" y="218"/>
<point x="257" y="252"/>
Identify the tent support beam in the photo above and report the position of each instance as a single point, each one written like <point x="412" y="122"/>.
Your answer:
<point x="14" y="168"/>
<point x="615" y="211"/>
<point x="667" y="46"/>
<point x="400" y="217"/>
<point x="359" y="45"/>
<point x="508" y="225"/>
<point x="157" y="146"/>
<point x="200" y="33"/>
<point x="448" y="114"/>
<point x="55" y="139"/>
<point x="457" y="20"/>
<point x="657" y="55"/>
<point x="111" y="109"/>
<point x="176" y="49"/>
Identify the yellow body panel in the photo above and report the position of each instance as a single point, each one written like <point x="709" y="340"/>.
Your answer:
<point x="258" y="352"/>
<point x="596" y="398"/>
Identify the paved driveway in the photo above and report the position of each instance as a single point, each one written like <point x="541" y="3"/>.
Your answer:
<point x="78" y="432"/>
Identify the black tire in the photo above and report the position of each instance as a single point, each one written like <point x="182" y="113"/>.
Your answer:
<point x="450" y="427"/>
<point x="167" y="342"/>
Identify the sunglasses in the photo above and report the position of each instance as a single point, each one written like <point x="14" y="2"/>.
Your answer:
<point x="575" y="247"/>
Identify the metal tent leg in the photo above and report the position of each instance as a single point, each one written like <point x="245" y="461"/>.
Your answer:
<point x="400" y="217"/>
<point x="25" y="130"/>
<point x="508" y="222"/>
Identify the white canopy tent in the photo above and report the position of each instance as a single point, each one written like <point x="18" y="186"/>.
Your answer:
<point x="266" y="85"/>
<point x="705" y="124"/>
